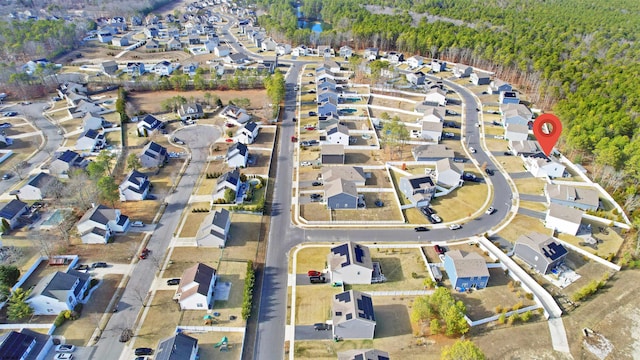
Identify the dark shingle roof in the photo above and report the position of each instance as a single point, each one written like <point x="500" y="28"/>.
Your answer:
<point x="15" y="345"/>
<point x="68" y="156"/>
<point x="178" y="347"/>
<point x="12" y="209"/>
<point x="40" y="180"/>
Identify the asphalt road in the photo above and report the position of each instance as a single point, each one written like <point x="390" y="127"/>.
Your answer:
<point x="198" y="138"/>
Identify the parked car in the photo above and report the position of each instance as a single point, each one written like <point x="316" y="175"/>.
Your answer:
<point x="469" y="177"/>
<point x="439" y="249"/>
<point x="96" y="265"/>
<point x="490" y="210"/>
<point x="420" y="228"/>
<point x="144" y="253"/>
<point x="151" y="197"/>
<point x="316" y="183"/>
<point x="309" y="127"/>
<point x="455" y="226"/>
<point x="143" y="351"/>
<point x="315" y="196"/>
<point x="449" y="135"/>
<point x="313" y="273"/>
<point x="5" y="125"/>
<point x="229" y="125"/>
<point x="178" y="141"/>
<point x="65" y="348"/>
<point x="314" y="142"/>
<point x="472" y="150"/>
<point x="312" y="113"/>
<point x="6" y="176"/>
<point x="321" y="326"/>
<point x="9" y="113"/>
<point x="63" y="356"/>
<point x="317" y="279"/>
<point x="507" y="153"/>
<point x="173" y="281"/>
<point x="459" y="160"/>
<point x="305" y="163"/>
<point x="435" y="219"/>
<point x="81" y="267"/>
<point x="426" y="210"/>
<point x="379" y="203"/>
<point x="137" y="224"/>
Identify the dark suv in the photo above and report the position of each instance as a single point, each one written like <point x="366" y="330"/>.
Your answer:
<point x="317" y="279"/>
<point x="143" y="351"/>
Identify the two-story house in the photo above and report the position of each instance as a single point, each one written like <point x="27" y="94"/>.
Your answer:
<point x="99" y="223"/>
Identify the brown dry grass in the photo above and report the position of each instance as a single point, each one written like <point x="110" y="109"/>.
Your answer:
<point x="144" y="210"/>
<point x="151" y="101"/>
<point x="314" y="212"/>
<point x="533" y="186"/>
<point x="193" y="220"/>
<point x="122" y="250"/>
<point x="398" y="266"/>
<point x="161" y="320"/>
<point x="520" y="225"/>
<point x="313" y="303"/>
<point x="388" y="212"/>
<point x="183" y="258"/>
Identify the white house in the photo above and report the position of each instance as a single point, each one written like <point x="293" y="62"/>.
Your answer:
<point x="431" y="131"/>
<point x="415" y="78"/>
<point x="436" y="96"/>
<point x="283" y="49"/>
<point x="65" y="162"/>
<point x="338" y="134"/>
<point x="153" y="155"/>
<point x="573" y="196"/>
<point x="415" y="61"/>
<point x="480" y="78"/>
<point x="438" y="65"/>
<point x="214" y="230"/>
<point x="448" y="173"/>
<point x="515" y="114"/>
<point x="509" y="97"/>
<point x="353" y="316"/>
<point x="370" y="54"/>
<point x="237" y="155"/>
<point x="221" y="51"/>
<point x="563" y="219"/>
<point x="299" y="51"/>
<point x="174" y="44"/>
<point x="462" y="71"/>
<point x="163" y="68"/>
<point x="90" y="140"/>
<point x="135" y="187"/>
<point x="195" y="291"/>
<point x="58" y="291"/>
<point x="235" y="114"/>
<point x="190" y="111"/>
<point x="268" y="44"/>
<point x="248" y="133"/>
<point x="524" y="148"/>
<point x="346" y="51"/>
<point x="148" y="124"/>
<point x="516" y="132"/>
<point x="93" y="122"/>
<point x="433" y="114"/>
<point x="100" y="222"/>
<point x="350" y="263"/>
<point x="542" y="166"/>
<point x="497" y="86"/>
<point x="36" y="187"/>
<point x="229" y="180"/>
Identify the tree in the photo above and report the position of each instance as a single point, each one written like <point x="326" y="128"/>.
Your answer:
<point x="434" y="326"/>
<point x="421" y="310"/>
<point x="9" y="275"/>
<point x="18" y="309"/>
<point x="105" y="158"/>
<point x="462" y="350"/>
<point x="229" y="196"/>
<point x="108" y="189"/>
<point x="133" y="163"/>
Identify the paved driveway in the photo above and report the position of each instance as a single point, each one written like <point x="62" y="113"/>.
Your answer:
<point x="536" y="198"/>
<point x="308" y="332"/>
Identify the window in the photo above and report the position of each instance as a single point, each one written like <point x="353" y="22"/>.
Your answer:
<point x="199" y="305"/>
<point x="338" y="313"/>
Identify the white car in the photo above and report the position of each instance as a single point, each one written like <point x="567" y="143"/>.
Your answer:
<point x="63" y="356"/>
<point x="65" y="348"/>
<point x="499" y="137"/>
<point x="472" y="150"/>
<point x="305" y="163"/>
<point x="455" y="226"/>
<point x="137" y="224"/>
<point x="490" y="210"/>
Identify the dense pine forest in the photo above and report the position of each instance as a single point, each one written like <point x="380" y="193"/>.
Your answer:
<point x="578" y="58"/>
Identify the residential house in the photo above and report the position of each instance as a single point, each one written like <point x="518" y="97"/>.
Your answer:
<point x="37" y="187"/>
<point x="99" y="223"/>
<point x="370" y="54"/>
<point x="163" y="68"/>
<point x="94" y="122"/>
<point x="515" y="114"/>
<point x="12" y="211"/>
<point x="65" y="162"/>
<point x="541" y="252"/>
<point x="30" y="67"/>
<point x="135" y="187"/>
<point x="177" y="347"/>
<point x="341" y="194"/>
<point x="153" y="155"/>
<point x="350" y="263"/>
<point x="415" y="61"/>
<point x="193" y="39"/>
<point x="325" y="51"/>
<point x="448" y="173"/>
<point x="71" y="88"/>
<point x="354" y="174"/>
<point x="415" y="78"/>
<point x="120" y="41"/>
<point x="268" y="44"/>
<point x="324" y="94"/>
<point x="466" y="270"/>
<point x="212" y="43"/>
<point x="83" y="107"/>
<point x="248" y="133"/>
<point x="516" y="132"/>
<point x="235" y="58"/>
<point x="283" y="49"/>
<point x="524" y="148"/>
<point x="436" y="97"/>
<point x="480" y="78"/>
<point x="195" y="291"/>
<point x="509" y="97"/>
<point x="332" y="154"/>
<point x="431" y="152"/>
<point x="148" y="124"/>
<point x="572" y="196"/>
<point x="338" y="134"/>
<point x="543" y="166"/>
<point x="26" y="344"/>
<point x="462" y="71"/>
<point x="331" y="66"/>
<point x="90" y="140"/>
<point x="353" y="316"/>
<point x="135" y="69"/>
<point x="237" y="155"/>
<point x="104" y="36"/>
<point x="431" y="131"/>
<point x="299" y="51"/>
<point x="497" y="86"/>
<point x="438" y="66"/>
<point x="214" y="230"/>
<point x="221" y="51"/>
<point x="150" y="31"/>
<point x="395" y="57"/>
<point x="152" y="44"/>
<point x="326" y="83"/>
<point x="328" y="107"/>
<point x="419" y="189"/>
<point x="109" y="67"/>
<point x="563" y="219"/>
<point x="363" y="354"/>
<point x="174" y="44"/>
<point x="58" y="292"/>
<point x="346" y="51"/>
<point x="190" y="111"/>
<point x="433" y="114"/>
<point x="229" y="180"/>
<point x="235" y="114"/>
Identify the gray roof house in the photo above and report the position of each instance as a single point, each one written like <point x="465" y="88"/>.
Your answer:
<point x="346" y="51"/>
<point x="433" y="114"/>
<point x="236" y="114"/>
<point x="431" y="131"/>
<point x="100" y="222"/>
<point x="567" y="195"/>
<point x="415" y="78"/>
<point x="12" y="211"/>
<point x="415" y="61"/>
<point x="448" y="173"/>
<point x="338" y="134"/>
<point x="363" y="354"/>
<point x="65" y="162"/>
<point x="563" y="219"/>
<point x="353" y="315"/>
<point x="350" y="263"/>
<point x="462" y="71"/>
<point x="436" y="96"/>
<point x="195" y="291"/>
<point x="135" y="187"/>
<point x="26" y="344"/>
<point x="58" y="291"/>
<point x="438" y="65"/>
<point x="419" y="189"/>
<point x="466" y="270"/>
<point x="237" y="155"/>
<point x="341" y="194"/>
<point x="328" y="107"/>
<point x="90" y="140"/>
<point x="497" y="86"/>
<point x="214" y="230"/>
<point x="524" y="147"/>
<point x="332" y="154"/>
<point x="431" y="152"/>
<point x="480" y="78"/>
<point x="177" y="347"/>
<point x="350" y="173"/>
<point x="541" y="252"/>
<point x="148" y="124"/>
<point x="516" y="132"/>
<point x="370" y="53"/>
<point x="248" y="133"/>
<point x="190" y="111"/>
<point x="109" y="67"/>
<point x="228" y="180"/>
<point x="37" y="186"/>
<point x="92" y="121"/>
<point x="153" y="155"/>
<point x="515" y="114"/>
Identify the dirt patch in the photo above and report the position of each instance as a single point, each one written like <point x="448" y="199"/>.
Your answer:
<point x="388" y="212"/>
<point x="151" y="101"/>
<point x="522" y="224"/>
<point x="161" y="320"/>
<point x="120" y="251"/>
<point x="403" y="268"/>
<point x="315" y="212"/>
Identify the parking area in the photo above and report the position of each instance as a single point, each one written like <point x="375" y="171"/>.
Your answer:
<point x="80" y="352"/>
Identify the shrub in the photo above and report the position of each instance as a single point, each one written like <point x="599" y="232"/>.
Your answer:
<point x="60" y="319"/>
<point x="498" y="309"/>
<point x="529" y="296"/>
<point x="517" y="306"/>
<point x="502" y="318"/>
<point x="526" y="316"/>
<point x="249" y="282"/>
<point x="414" y="275"/>
<point x="513" y="318"/>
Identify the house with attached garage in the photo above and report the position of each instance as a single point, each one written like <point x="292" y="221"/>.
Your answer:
<point x="497" y="86"/>
<point x="235" y="58"/>
<point x="332" y="154"/>
<point x="174" y="44"/>
<point x="415" y="61"/>
<point x="431" y="131"/>
<point x="58" y="292"/>
<point x="572" y="196"/>
<point x="524" y="148"/>
<point x="26" y="344"/>
<point x="99" y="223"/>
<point x="283" y="49"/>
<point x="237" y="156"/>
<point x="431" y="152"/>
<point x="135" y="187"/>
<point x="516" y="132"/>
<point x="515" y="114"/>
<point x="462" y="71"/>
<point x="214" y="230"/>
<point x="346" y="51"/>
<point x="563" y="219"/>
<point x="135" y="69"/>
<point x="467" y="270"/>
<point x="341" y="194"/>
<point x="350" y="263"/>
<point x="438" y="66"/>
<point x="148" y="124"/>
<point x="268" y="44"/>
<point x="37" y="187"/>
<point x="91" y="141"/>
<point x="163" y="68"/>
<point x="120" y="41"/>
<point x="229" y="180"/>
<point x="83" y="107"/>
<point x="195" y="291"/>
<point x="436" y="96"/>
<point x="153" y="155"/>
<point x="370" y="54"/>
<point x="419" y="189"/>
<point x="177" y="347"/>
<point x="331" y="66"/>
<point x="353" y="316"/>
<point x="66" y="162"/>
<point x="480" y="78"/>
<point x="328" y="107"/>
<point x="299" y="51"/>
<point x="449" y="173"/>
<point x="221" y="50"/>
<point x="248" y="133"/>
<point x="415" y="78"/>
<point x="94" y="122"/>
<point x="12" y="211"/>
<point x="509" y="97"/>
<point x="350" y="173"/>
<point x="235" y="114"/>
<point x="104" y="36"/>
<point x="543" y="166"/>
<point x="212" y="43"/>
<point x="541" y="252"/>
<point x="338" y="134"/>
<point x="152" y="44"/>
<point x="190" y="111"/>
<point x="109" y="67"/>
<point x="433" y="114"/>
<point x="363" y="354"/>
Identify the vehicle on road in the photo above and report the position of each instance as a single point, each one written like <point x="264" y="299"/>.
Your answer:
<point x="489" y="171"/>
<point x="9" y="113"/>
<point x="490" y="210"/>
<point x="439" y="249"/>
<point x="143" y="351"/>
<point x="321" y="326"/>
<point x="137" y="224"/>
<point x="144" y="254"/>
<point x="294" y="139"/>
<point x="420" y="228"/>
<point x="26" y="103"/>
<point x="316" y="183"/>
<point x="294" y="119"/>
<point x="507" y="153"/>
<point x="455" y="226"/>
<point x="65" y="348"/>
<point x="100" y="264"/>
<point x="314" y="273"/>
<point x="178" y="141"/>
<point x="472" y="150"/>
<point x="63" y="356"/>
<point x="173" y="281"/>
<point x="317" y="279"/>
<point x="6" y="176"/>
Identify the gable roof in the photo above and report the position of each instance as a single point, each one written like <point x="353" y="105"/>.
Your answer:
<point x="443" y="165"/>
<point x="363" y="354"/>
<point x="350" y="253"/>
<point x="200" y="274"/>
<point x="232" y="177"/>
<point x="337" y="128"/>
<point x="467" y="264"/>
<point x="524" y="146"/>
<point x="575" y="194"/>
<point x="340" y="186"/>
<point x="351" y="305"/>
<point x="12" y="209"/>
<point x="237" y="148"/>
<point x="432" y="126"/>
<point x="350" y="173"/>
<point x="332" y="149"/>
<point x="100" y="214"/>
<point x="139" y="180"/>
<point x="518" y="128"/>
<point x="91" y="134"/>
<point x="221" y="217"/>
<point x="250" y="126"/>
<point x="432" y="151"/>
<point x="40" y="180"/>
<point x="545" y="245"/>
<point x="150" y="122"/>
<point x="58" y="285"/>
<point x="154" y="150"/>
<point x="566" y="213"/>
<point x="68" y="156"/>
<point x="178" y="347"/>
<point x="15" y="345"/>
<point x="418" y="182"/>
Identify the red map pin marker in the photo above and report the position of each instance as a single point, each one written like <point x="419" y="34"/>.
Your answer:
<point x="547" y="129"/>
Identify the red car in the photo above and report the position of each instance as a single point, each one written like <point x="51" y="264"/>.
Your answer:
<point x="314" y="273"/>
<point x="229" y="125"/>
<point x="310" y="128"/>
<point x="144" y="253"/>
<point x="229" y="140"/>
<point x="439" y="249"/>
